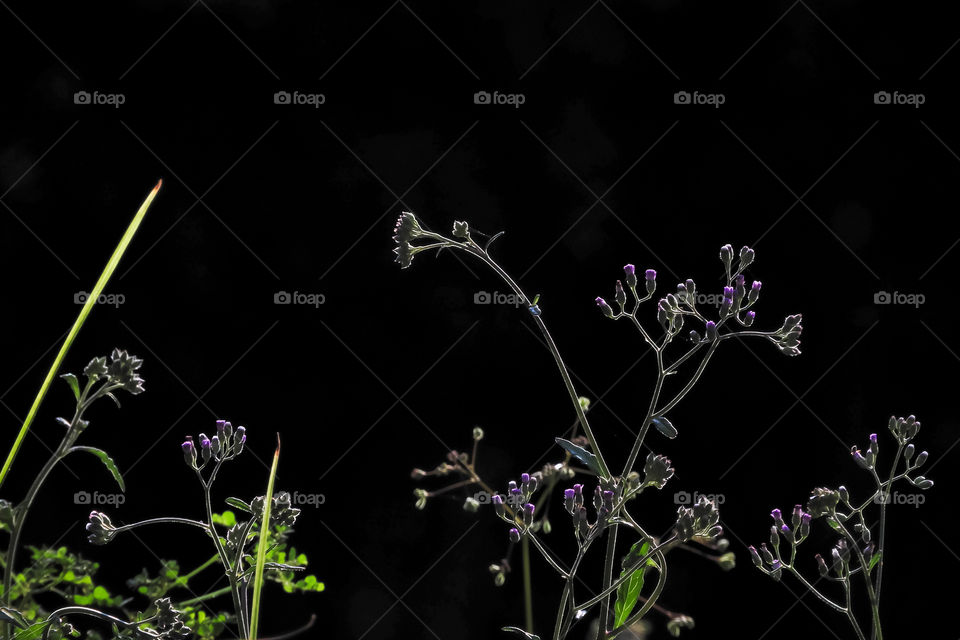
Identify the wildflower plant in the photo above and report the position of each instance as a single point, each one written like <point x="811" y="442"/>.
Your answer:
<point x="599" y="508"/>
<point x="858" y="555"/>
<point x="27" y="591"/>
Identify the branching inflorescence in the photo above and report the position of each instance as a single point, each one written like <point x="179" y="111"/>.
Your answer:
<point x="857" y="552"/>
<point x="618" y="596"/>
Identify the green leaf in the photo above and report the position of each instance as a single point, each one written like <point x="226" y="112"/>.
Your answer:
<point x="629" y="591"/>
<point x="262" y="546"/>
<point x="73" y="382"/>
<point x="32" y="632"/>
<point x="227" y="518"/>
<point x="520" y="632"/>
<point x="75" y="329"/>
<point x="582" y="455"/>
<point x="12" y="615"/>
<point x="665" y="427"/>
<point x="874" y="560"/>
<point x="107" y="462"/>
<point x="237" y="503"/>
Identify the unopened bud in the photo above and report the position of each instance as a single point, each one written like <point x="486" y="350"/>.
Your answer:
<point x="651" y="279"/>
<point x="605" y="309"/>
<point x="498" y="504"/>
<point x="711" y="330"/>
<point x="528" y="514"/>
<point x="514" y="535"/>
<point x="630" y="275"/>
<point x="620" y="295"/>
<point x="189" y="453"/>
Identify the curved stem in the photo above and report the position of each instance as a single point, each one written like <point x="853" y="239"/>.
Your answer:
<point x="164" y="520"/>
<point x="554" y="351"/>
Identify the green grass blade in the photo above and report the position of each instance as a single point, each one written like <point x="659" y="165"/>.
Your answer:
<point x="75" y="329"/>
<point x="262" y="546"/>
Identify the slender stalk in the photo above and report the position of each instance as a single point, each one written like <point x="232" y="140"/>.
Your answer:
<point x="527" y="584"/>
<point x="262" y="546"/>
<point x="881" y="538"/>
<point x="554" y="351"/>
<point x="206" y="596"/>
<point x="75" y="329"/>
<point x="23" y="509"/>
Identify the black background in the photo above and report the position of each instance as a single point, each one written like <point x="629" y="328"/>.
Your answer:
<point x="841" y="198"/>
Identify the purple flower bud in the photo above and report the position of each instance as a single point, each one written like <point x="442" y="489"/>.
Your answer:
<point x="512" y="485"/>
<point x="568" y="500"/>
<point x="620" y="296"/>
<point x="726" y="255"/>
<point x="631" y="275"/>
<point x="524" y="478"/>
<point x="755" y="556"/>
<point x="528" y="514"/>
<point x="651" y="278"/>
<point x="514" y="535"/>
<point x="605" y="309"/>
<point x="728" y="292"/>
<point x="859" y="459"/>
<point x="189" y="453"/>
<point x="821" y="565"/>
<point x="711" y="330"/>
<point x="497" y="504"/>
<point x="754" y="290"/>
<point x="749" y="318"/>
<point x="221" y="426"/>
<point x="239" y="440"/>
<point x="608" y="500"/>
<point x="215" y="445"/>
<point x="797" y="514"/>
<point x="777" y="517"/>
